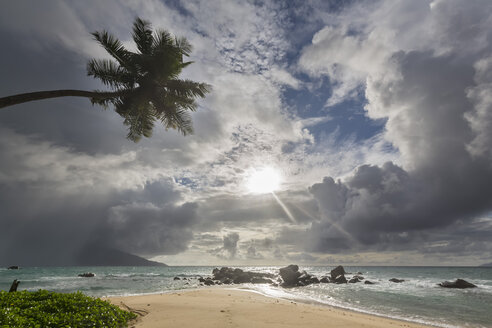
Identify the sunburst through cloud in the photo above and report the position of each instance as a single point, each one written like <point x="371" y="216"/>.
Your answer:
<point x="264" y="180"/>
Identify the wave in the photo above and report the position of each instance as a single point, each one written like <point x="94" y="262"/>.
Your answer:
<point x="274" y="292"/>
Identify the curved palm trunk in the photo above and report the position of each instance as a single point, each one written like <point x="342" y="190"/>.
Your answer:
<point x="26" y="97"/>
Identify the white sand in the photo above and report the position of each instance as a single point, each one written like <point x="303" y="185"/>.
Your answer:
<point x="220" y="307"/>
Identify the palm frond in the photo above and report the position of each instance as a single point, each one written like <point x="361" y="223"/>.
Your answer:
<point x="188" y="88"/>
<point x="178" y="120"/>
<point x="110" y="73"/>
<point x="138" y="116"/>
<point x="114" y="47"/>
<point x="143" y="36"/>
<point x="184" y="64"/>
<point x="172" y="114"/>
<point x="163" y="41"/>
<point x="183" y="45"/>
<point x="140" y="124"/>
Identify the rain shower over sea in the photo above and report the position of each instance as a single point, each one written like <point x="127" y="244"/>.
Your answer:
<point x="417" y="299"/>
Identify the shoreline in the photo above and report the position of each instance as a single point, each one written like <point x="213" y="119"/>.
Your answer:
<point x="224" y="307"/>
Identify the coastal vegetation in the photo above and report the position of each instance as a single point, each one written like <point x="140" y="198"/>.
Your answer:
<point x="145" y="85"/>
<point x="49" y="309"/>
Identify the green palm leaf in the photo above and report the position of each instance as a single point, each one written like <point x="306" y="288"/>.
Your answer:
<point x="143" y="36"/>
<point x="114" y="47"/>
<point x="110" y="73"/>
<point x="148" y="80"/>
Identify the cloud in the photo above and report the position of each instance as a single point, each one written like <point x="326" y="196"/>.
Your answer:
<point x="55" y="203"/>
<point x="53" y="24"/>
<point x="229" y="248"/>
<point x="432" y="94"/>
<point x="149" y="230"/>
<point x="230" y="243"/>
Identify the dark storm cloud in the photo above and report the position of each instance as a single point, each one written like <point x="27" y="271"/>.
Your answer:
<point x="149" y="230"/>
<point x="55" y="205"/>
<point x="230" y="243"/>
<point x="444" y="182"/>
<point x="50" y="234"/>
<point x="229" y="247"/>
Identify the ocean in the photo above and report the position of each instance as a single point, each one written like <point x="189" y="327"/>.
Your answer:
<point x="417" y="299"/>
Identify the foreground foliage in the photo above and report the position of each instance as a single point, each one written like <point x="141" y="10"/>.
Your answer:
<point x="50" y="309"/>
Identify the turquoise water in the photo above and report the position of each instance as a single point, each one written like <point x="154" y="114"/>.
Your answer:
<point x="417" y="299"/>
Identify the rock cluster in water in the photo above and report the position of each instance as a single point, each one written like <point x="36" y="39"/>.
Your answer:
<point x="396" y="280"/>
<point x="229" y="276"/>
<point x="458" y="283"/>
<point x="290" y="276"/>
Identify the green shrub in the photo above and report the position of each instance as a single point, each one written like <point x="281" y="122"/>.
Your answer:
<point x="49" y="309"/>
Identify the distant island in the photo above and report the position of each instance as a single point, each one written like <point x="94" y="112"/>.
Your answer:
<point x="486" y="265"/>
<point x="99" y="256"/>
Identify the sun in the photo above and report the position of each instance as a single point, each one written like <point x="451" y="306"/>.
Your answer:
<point x="264" y="180"/>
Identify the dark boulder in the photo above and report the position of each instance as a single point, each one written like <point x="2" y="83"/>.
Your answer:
<point x="223" y="273"/>
<point x="242" y="278"/>
<point x="177" y="278"/>
<point x="306" y="279"/>
<point x="13" y="267"/>
<point x="339" y="270"/>
<point x="340" y="279"/>
<point x="325" y="280"/>
<point x="356" y="279"/>
<point x="367" y="282"/>
<point x="201" y="279"/>
<point x="87" y="275"/>
<point x="289" y="275"/>
<point x="396" y="280"/>
<point x="228" y="275"/>
<point x="458" y="283"/>
<point x="209" y="282"/>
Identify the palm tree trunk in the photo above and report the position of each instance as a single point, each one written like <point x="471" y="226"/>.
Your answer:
<point x="26" y="97"/>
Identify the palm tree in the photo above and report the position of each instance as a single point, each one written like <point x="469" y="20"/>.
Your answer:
<point x="145" y="85"/>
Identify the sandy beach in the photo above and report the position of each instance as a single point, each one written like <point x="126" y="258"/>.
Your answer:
<point x="220" y="307"/>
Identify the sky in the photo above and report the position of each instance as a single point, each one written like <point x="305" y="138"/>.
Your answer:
<point x="376" y="117"/>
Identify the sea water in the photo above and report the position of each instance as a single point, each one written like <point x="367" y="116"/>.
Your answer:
<point x="417" y="299"/>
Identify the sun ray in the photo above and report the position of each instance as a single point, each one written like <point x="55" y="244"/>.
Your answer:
<point x="285" y="208"/>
